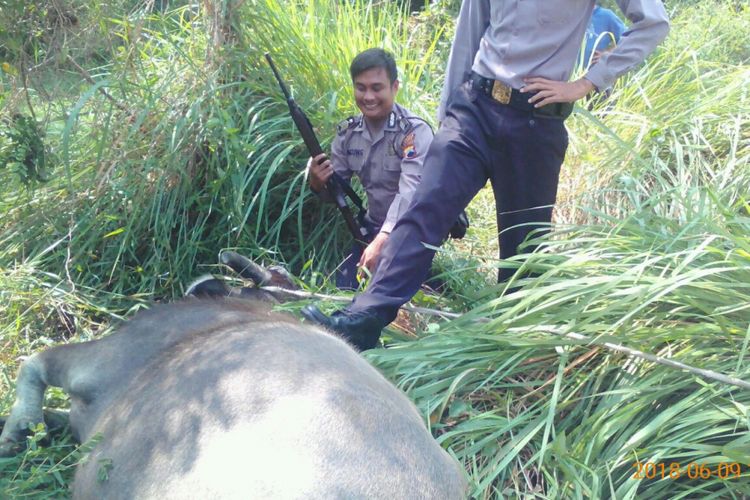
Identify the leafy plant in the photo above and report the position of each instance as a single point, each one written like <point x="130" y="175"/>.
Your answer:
<point x="22" y="148"/>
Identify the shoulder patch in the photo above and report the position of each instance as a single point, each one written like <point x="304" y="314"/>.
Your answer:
<point x="405" y="139"/>
<point x="345" y="125"/>
<point x="408" y="148"/>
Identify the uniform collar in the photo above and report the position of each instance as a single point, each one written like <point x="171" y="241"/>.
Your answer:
<point x="391" y="124"/>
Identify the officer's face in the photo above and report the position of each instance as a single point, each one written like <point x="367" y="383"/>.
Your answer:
<point x="374" y="93"/>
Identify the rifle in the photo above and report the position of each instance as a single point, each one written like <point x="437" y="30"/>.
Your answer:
<point x="334" y="184"/>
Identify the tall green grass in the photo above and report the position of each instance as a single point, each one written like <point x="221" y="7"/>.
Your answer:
<point x="188" y="157"/>
<point x="651" y="253"/>
<point x="529" y="408"/>
<point x="689" y="101"/>
<point x="161" y="156"/>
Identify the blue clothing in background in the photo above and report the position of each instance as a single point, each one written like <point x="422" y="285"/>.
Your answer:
<point x="602" y="21"/>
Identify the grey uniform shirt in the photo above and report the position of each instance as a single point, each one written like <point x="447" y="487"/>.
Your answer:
<point x="389" y="165"/>
<point x="509" y="40"/>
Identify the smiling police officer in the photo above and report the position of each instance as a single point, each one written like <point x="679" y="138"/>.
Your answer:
<point x="505" y="99"/>
<point x="384" y="147"/>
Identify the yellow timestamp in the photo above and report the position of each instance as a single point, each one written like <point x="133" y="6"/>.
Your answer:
<point x="693" y="470"/>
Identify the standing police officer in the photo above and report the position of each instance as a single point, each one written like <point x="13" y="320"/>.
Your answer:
<point x="505" y="99"/>
<point x="385" y="147"/>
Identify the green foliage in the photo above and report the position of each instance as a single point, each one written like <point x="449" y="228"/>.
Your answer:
<point x="22" y="148"/>
<point x="685" y="104"/>
<point x="651" y="252"/>
<point x="36" y="32"/>
<point x="571" y="416"/>
<point x="186" y="156"/>
<point x="719" y="38"/>
<point x="44" y="470"/>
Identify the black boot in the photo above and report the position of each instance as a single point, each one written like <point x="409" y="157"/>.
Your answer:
<point x="361" y="328"/>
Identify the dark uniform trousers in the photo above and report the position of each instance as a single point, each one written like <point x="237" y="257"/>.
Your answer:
<point x="346" y="273"/>
<point x="519" y="152"/>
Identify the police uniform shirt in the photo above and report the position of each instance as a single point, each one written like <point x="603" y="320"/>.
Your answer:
<point x="389" y="164"/>
<point x="509" y="40"/>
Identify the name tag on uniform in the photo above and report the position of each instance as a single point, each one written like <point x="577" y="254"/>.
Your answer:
<point x="355" y="152"/>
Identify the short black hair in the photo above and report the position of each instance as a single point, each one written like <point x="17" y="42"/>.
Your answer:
<point x="374" y="58"/>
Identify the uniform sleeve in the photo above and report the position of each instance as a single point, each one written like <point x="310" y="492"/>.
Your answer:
<point x="414" y="148"/>
<point x="473" y="20"/>
<point x="339" y="162"/>
<point x="649" y="26"/>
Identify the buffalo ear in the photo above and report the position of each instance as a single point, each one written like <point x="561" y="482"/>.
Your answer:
<point x="208" y="286"/>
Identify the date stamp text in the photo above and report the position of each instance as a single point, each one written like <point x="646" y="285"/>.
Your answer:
<point x="692" y="470"/>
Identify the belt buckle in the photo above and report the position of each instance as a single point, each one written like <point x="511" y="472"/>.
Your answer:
<point x="501" y="92"/>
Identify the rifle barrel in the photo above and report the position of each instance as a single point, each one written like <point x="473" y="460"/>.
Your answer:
<point x="278" y="77"/>
<point x="313" y="146"/>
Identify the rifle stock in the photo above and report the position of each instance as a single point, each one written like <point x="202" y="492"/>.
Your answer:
<point x="313" y="146"/>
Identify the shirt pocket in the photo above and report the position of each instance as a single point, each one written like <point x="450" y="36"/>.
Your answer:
<point x="392" y="163"/>
<point x="559" y="12"/>
<point x="390" y="173"/>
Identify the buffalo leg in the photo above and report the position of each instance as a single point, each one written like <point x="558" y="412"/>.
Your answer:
<point x="27" y="409"/>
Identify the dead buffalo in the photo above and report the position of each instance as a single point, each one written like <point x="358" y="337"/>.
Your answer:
<point x="222" y="399"/>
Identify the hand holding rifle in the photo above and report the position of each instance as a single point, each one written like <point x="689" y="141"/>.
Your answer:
<point x="320" y="171"/>
<point x="333" y="184"/>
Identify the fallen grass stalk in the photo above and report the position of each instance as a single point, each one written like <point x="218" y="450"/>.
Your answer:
<point x="709" y="374"/>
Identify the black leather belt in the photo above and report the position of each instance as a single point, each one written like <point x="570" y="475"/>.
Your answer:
<point x="502" y="93"/>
